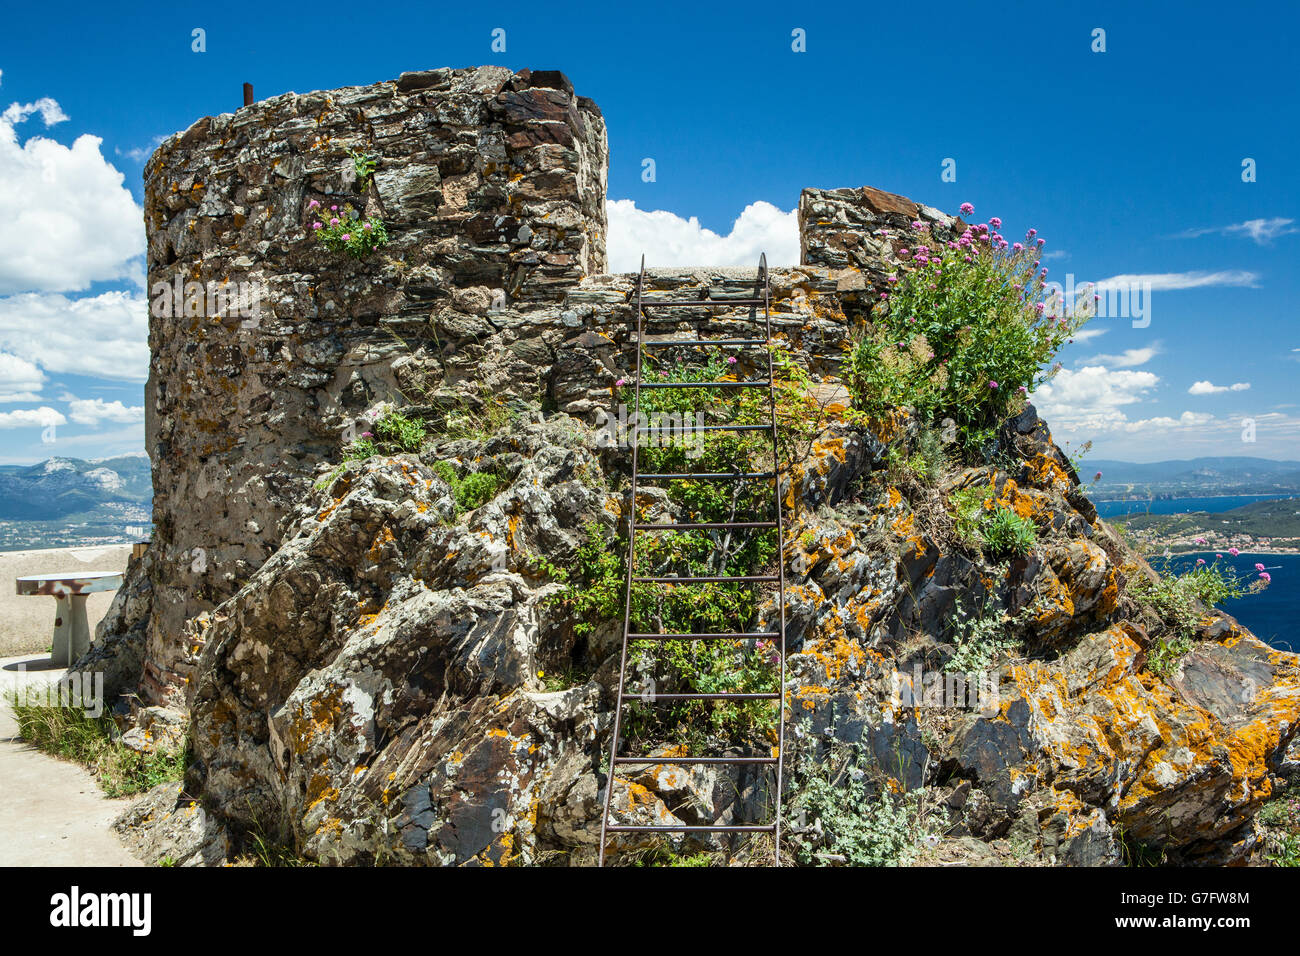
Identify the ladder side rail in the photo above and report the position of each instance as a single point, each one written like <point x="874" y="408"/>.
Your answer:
<point x="631" y="570"/>
<point x="780" y="548"/>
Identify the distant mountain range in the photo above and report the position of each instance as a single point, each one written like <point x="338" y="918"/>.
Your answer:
<point x="69" y="501"/>
<point x="61" y="487"/>
<point x="1192" y="477"/>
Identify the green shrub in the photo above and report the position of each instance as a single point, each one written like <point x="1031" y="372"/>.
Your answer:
<point x="1180" y="601"/>
<point x="391" y="432"/>
<point x="1007" y="533"/>
<point x="968" y="512"/>
<point x="471" y="491"/>
<point x="399" y="430"/>
<point x="1280" y="822"/>
<point x="980" y="638"/>
<point x="1285" y="851"/>
<point x="594" y="582"/>
<point x="863" y="821"/>
<point x="963" y="333"/>
<point x="365" y="168"/>
<point x="594" y="593"/>
<point x="94" y="742"/>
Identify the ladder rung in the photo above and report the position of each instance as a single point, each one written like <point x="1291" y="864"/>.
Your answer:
<point x="755" y="383"/>
<point x="659" y="762"/>
<point x="704" y="525"/>
<point x="707" y="475"/>
<point x="716" y="635"/>
<point x="738" y="828"/>
<point x="661" y="343"/>
<point x="701" y="302"/>
<point x="654" y="698"/>
<point x="744" y="579"/>
<point x="705" y="428"/>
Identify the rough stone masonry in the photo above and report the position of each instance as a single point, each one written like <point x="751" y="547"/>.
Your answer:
<point x="492" y="186"/>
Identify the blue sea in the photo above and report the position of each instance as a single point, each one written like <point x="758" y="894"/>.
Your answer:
<point x="1274" y="613"/>
<point x="1178" y="506"/>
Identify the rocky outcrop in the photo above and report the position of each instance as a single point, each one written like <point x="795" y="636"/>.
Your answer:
<point x="378" y="671"/>
<point x="168" y="828"/>
<point x="378" y="683"/>
<point x="118" y="651"/>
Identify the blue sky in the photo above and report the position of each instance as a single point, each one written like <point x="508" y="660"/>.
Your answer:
<point x="1129" y="162"/>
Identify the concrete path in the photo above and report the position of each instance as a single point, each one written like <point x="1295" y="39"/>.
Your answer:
<point x="52" y="812"/>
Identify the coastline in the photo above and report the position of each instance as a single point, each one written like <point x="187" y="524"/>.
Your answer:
<point x="1282" y="496"/>
<point x="1240" y="554"/>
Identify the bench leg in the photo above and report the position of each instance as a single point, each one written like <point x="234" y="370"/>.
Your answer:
<point x="59" y="654"/>
<point x="71" y="630"/>
<point x="79" y="640"/>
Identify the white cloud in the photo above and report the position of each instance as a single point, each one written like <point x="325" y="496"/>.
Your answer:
<point x="92" y="411"/>
<point x="1091" y="397"/>
<point x="1098" y="405"/>
<point x="20" y="379"/>
<point x="32" y="417"/>
<point x="50" y="111"/>
<point x="1129" y="358"/>
<point x="667" y="239"/>
<point x="1086" y="333"/>
<point x="68" y="219"/>
<point x="1260" y="231"/>
<point x="104" y="336"/>
<point x="140" y="153"/>
<point x="1209" y="388"/>
<point x="1170" y="281"/>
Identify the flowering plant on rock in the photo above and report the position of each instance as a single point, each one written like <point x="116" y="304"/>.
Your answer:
<point x="964" y="329"/>
<point x="342" y="229"/>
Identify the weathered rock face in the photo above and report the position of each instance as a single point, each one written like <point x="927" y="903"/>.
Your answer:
<point x="376" y="674"/>
<point x="862" y="229"/>
<point x="492" y="188"/>
<point x="377" y="681"/>
<point x="118" y="651"/>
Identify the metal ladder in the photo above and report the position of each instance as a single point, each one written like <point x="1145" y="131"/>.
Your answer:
<point x="777" y="522"/>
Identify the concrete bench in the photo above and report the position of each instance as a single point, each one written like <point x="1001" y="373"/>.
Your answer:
<point x="69" y="590"/>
